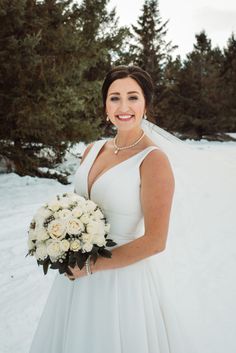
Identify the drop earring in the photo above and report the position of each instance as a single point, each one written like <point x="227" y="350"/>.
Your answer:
<point x="145" y="116"/>
<point x="107" y="118"/>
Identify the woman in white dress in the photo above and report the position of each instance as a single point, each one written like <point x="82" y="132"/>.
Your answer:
<point x="121" y="306"/>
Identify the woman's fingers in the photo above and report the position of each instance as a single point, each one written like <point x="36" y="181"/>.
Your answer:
<point x="70" y="277"/>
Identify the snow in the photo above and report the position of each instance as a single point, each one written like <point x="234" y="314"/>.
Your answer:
<point x="24" y="288"/>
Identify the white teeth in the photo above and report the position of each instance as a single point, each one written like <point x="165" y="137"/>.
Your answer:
<point x="124" y="116"/>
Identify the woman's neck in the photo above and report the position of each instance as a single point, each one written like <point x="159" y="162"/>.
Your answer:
<point x="126" y="138"/>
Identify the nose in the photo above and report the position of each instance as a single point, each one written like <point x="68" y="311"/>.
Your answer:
<point x="123" y="106"/>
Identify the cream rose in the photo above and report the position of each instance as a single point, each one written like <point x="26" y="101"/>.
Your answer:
<point x="65" y="204"/>
<point x="85" y="218"/>
<point x="90" y="206"/>
<point x="92" y="227"/>
<point x="77" y="212"/>
<point x="57" y="229"/>
<point x="32" y="234"/>
<point x="101" y="228"/>
<point x="54" y="205"/>
<point x="87" y="247"/>
<point x="41" y="233"/>
<point x="96" y="227"/>
<point x="31" y="245"/>
<point x="76" y="198"/>
<point x="75" y="245"/>
<point x="54" y="249"/>
<point x="97" y="215"/>
<point x="100" y="241"/>
<point x="86" y="237"/>
<point x="74" y="226"/>
<point x="64" y="245"/>
<point x="63" y="214"/>
<point x="41" y="252"/>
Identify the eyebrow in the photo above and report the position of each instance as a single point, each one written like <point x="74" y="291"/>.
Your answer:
<point x="131" y="92"/>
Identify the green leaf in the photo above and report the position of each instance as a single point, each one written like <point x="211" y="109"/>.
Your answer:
<point x="110" y="242"/>
<point x="80" y="259"/>
<point x="95" y="249"/>
<point x="45" y="265"/>
<point x="94" y="258"/>
<point x="105" y="253"/>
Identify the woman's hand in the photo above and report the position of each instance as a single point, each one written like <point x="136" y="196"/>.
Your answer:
<point x="77" y="273"/>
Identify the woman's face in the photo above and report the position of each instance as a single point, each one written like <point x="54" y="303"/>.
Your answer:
<point x="125" y="103"/>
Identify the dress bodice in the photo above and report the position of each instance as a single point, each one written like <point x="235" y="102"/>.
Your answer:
<point x="116" y="191"/>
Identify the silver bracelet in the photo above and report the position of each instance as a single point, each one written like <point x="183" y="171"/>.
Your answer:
<point x="87" y="266"/>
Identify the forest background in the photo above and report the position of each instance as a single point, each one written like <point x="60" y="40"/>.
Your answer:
<point x="54" y="56"/>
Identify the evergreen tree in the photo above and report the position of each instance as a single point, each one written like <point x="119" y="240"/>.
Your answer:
<point x="192" y="101"/>
<point x="52" y="58"/>
<point x="171" y="105"/>
<point x="151" y="50"/>
<point x="102" y="43"/>
<point x="228" y="88"/>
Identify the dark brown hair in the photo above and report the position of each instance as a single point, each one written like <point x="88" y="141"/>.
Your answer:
<point x="141" y="76"/>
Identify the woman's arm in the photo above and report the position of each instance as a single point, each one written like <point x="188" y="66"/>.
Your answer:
<point x="157" y="189"/>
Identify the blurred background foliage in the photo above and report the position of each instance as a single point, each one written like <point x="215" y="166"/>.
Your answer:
<point x="54" y="56"/>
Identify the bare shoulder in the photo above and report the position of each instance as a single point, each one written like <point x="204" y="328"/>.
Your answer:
<point x="156" y="166"/>
<point x="86" y="151"/>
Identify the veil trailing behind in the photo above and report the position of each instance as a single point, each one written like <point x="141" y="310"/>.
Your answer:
<point x="198" y="266"/>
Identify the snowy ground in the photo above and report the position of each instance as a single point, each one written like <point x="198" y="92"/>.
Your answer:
<point x="24" y="288"/>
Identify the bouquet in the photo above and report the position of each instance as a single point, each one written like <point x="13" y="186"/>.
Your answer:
<point x="66" y="230"/>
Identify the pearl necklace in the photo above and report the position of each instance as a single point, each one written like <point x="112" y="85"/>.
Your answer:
<point x="117" y="149"/>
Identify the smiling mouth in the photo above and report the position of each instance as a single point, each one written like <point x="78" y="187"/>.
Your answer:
<point x="125" y="117"/>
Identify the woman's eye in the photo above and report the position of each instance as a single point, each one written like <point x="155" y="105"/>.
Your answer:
<point x="114" y="99"/>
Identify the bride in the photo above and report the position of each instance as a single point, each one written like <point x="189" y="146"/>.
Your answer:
<point x="145" y="184"/>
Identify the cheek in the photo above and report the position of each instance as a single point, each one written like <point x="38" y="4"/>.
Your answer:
<point x="140" y="107"/>
<point x="108" y="106"/>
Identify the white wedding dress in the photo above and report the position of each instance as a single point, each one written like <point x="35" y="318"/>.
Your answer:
<point x="124" y="310"/>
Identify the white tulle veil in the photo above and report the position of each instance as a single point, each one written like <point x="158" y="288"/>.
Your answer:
<point x="199" y="259"/>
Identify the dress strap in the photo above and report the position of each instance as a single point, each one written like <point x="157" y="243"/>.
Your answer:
<point x="146" y="152"/>
<point x="93" y="152"/>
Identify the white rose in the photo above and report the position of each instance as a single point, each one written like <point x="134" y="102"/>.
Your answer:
<point x="98" y="215"/>
<point x="75" y="197"/>
<point x="80" y="200"/>
<point x="63" y="214"/>
<point x="64" y="245"/>
<point x="101" y="228"/>
<point x="96" y="227"/>
<point x="87" y="247"/>
<point x="54" y="205"/>
<point x="100" y="241"/>
<point x="75" y="245"/>
<point x="57" y="229"/>
<point x="90" y="206"/>
<point x="85" y="218"/>
<point x="65" y="203"/>
<point x="41" y="216"/>
<point x="41" y="252"/>
<point x="92" y="227"/>
<point x="32" y="234"/>
<point x="74" y="226"/>
<point x="77" y="212"/>
<point x="41" y="234"/>
<point x="31" y="244"/>
<point x="87" y="238"/>
<point x="54" y="249"/>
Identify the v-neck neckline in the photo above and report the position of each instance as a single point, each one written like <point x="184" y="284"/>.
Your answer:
<point x="108" y="170"/>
